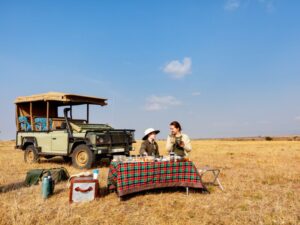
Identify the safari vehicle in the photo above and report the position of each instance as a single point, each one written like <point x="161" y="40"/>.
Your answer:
<point x="42" y="133"/>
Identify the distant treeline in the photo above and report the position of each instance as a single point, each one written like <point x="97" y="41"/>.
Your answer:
<point x="258" y="138"/>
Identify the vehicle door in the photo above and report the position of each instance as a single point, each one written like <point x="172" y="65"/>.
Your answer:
<point x="60" y="141"/>
<point x="43" y="141"/>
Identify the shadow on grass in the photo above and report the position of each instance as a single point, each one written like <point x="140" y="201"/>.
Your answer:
<point x="169" y="190"/>
<point x="103" y="191"/>
<point x="59" y="190"/>
<point x="12" y="186"/>
<point x="100" y="163"/>
<point x="18" y="185"/>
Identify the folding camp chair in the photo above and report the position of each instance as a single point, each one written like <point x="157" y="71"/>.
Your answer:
<point x="215" y="172"/>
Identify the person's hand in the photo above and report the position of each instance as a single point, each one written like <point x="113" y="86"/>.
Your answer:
<point x="181" y="144"/>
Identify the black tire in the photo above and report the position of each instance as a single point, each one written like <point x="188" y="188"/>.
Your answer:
<point x="83" y="157"/>
<point x="31" y="155"/>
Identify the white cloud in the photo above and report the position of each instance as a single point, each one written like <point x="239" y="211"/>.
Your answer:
<point x="156" y="103"/>
<point x="268" y="4"/>
<point x="196" y="93"/>
<point x="232" y="5"/>
<point x="297" y="118"/>
<point x="177" y="69"/>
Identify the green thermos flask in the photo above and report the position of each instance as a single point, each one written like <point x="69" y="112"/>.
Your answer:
<point x="47" y="186"/>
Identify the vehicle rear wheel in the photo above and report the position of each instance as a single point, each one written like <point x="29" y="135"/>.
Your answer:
<point x="31" y="154"/>
<point x="83" y="157"/>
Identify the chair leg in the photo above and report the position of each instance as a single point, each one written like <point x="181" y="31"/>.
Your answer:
<point x="216" y="175"/>
<point x="187" y="190"/>
<point x="220" y="185"/>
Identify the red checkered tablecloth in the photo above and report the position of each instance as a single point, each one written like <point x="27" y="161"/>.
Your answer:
<point x="130" y="177"/>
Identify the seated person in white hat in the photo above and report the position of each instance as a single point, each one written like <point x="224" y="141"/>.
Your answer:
<point x="149" y="147"/>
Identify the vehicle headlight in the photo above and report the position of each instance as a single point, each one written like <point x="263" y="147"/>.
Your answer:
<point x="99" y="140"/>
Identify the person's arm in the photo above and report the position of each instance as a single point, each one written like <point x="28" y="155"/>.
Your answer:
<point x="187" y="143"/>
<point x="143" y="149"/>
<point x="169" y="145"/>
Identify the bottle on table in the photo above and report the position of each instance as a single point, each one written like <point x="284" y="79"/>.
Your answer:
<point x="95" y="174"/>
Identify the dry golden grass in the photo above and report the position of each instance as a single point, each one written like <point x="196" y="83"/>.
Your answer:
<point x="261" y="180"/>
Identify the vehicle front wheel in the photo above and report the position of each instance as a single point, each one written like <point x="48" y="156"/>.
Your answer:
<point x="31" y="154"/>
<point x="83" y="157"/>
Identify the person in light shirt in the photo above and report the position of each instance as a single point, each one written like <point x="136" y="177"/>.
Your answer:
<point x="178" y="142"/>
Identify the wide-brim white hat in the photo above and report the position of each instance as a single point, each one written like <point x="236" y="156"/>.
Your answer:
<point x="149" y="131"/>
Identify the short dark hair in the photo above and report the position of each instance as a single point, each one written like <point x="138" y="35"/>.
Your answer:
<point x="176" y="125"/>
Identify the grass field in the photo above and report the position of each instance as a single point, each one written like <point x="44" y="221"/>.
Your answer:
<point x="261" y="181"/>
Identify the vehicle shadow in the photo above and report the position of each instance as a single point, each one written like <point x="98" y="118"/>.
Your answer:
<point x="100" y="163"/>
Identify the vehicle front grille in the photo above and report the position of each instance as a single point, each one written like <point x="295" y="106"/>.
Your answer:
<point x="117" y="138"/>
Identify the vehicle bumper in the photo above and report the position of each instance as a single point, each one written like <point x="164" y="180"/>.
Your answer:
<point x="98" y="150"/>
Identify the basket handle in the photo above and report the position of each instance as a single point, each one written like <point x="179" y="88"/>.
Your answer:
<point x="82" y="190"/>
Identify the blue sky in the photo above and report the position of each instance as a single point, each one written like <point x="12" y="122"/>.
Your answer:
<point x="222" y="68"/>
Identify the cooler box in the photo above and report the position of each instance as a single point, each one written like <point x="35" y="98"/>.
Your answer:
<point x="83" y="189"/>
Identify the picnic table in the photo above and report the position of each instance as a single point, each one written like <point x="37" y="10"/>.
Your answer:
<point x="130" y="177"/>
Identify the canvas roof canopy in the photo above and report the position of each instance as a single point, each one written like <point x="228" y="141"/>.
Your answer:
<point x="60" y="99"/>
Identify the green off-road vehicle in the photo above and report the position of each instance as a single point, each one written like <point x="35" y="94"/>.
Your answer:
<point x="42" y="133"/>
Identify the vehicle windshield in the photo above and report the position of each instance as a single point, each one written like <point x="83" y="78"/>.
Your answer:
<point x="92" y="126"/>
